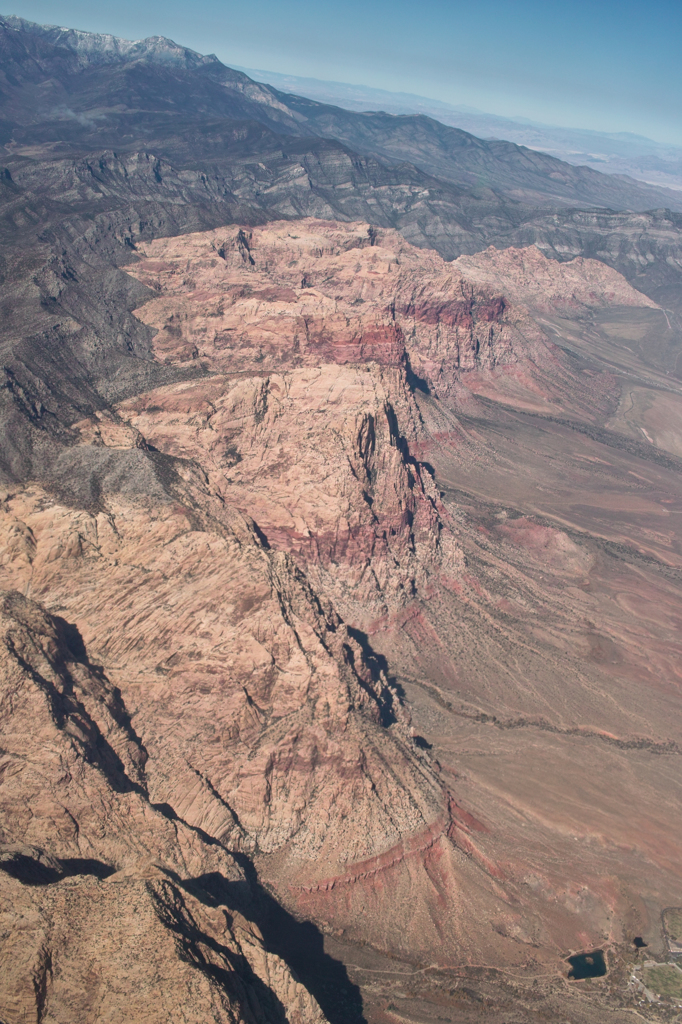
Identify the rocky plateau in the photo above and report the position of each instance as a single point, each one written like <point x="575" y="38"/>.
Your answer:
<point x="339" y="562"/>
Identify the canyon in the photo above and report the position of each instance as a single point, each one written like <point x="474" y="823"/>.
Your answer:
<point x="340" y="572"/>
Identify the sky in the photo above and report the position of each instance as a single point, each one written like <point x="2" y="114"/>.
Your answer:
<point x="608" y="65"/>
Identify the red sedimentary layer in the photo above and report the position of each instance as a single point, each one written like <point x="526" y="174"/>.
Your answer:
<point x="456" y="313"/>
<point x="267" y="724"/>
<point x="411" y="846"/>
<point x="384" y="343"/>
<point x="456" y="824"/>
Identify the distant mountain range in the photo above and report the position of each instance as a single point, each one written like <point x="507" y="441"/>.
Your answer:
<point x="65" y="89"/>
<point x="611" y="152"/>
<point x="110" y="122"/>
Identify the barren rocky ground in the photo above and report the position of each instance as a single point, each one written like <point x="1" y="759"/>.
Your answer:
<point x="340" y="578"/>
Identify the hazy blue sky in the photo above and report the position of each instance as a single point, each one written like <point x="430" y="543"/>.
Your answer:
<point x="614" y="65"/>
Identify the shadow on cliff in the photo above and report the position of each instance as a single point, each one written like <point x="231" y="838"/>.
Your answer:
<point x="378" y="666"/>
<point x="238" y="978"/>
<point x="299" y="943"/>
<point x="415" y="382"/>
<point x="33" y="867"/>
<point x="105" y="756"/>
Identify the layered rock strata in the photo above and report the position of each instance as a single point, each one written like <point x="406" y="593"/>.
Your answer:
<point x="260" y="517"/>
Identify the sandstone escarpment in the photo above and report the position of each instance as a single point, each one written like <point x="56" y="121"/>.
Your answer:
<point x="118" y="867"/>
<point x="526" y="276"/>
<point x="287" y="296"/>
<point x="276" y="715"/>
<point x="315" y="292"/>
<point x="289" y="744"/>
<point x="320" y="458"/>
<point x="314" y="339"/>
<point x="237" y="545"/>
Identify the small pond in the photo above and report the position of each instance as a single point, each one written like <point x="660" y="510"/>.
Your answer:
<point x="587" y="965"/>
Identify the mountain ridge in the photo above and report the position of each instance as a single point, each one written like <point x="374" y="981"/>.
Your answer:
<point x="644" y="159"/>
<point x="340" y="566"/>
<point x="431" y="146"/>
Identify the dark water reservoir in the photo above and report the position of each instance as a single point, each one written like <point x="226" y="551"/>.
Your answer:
<point x="587" y="965"/>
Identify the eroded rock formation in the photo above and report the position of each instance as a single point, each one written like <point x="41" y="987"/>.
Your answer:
<point x="106" y="923"/>
<point x="201" y="647"/>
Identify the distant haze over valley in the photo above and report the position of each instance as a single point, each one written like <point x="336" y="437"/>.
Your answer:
<point x="657" y="163"/>
<point x="606" y="67"/>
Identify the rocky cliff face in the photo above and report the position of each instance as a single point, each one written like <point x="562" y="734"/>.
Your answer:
<point x="527" y="276"/>
<point x="221" y="702"/>
<point x="334" y="325"/>
<point x="340" y="608"/>
<point x="119" y="867"/>
<point x="265" y="727"/>
<point x="294" y="681"/>
<point x="297" y="295"/>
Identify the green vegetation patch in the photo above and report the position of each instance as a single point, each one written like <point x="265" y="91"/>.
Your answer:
<point x="664" y="979"/>
<point x="672" y="919"/>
